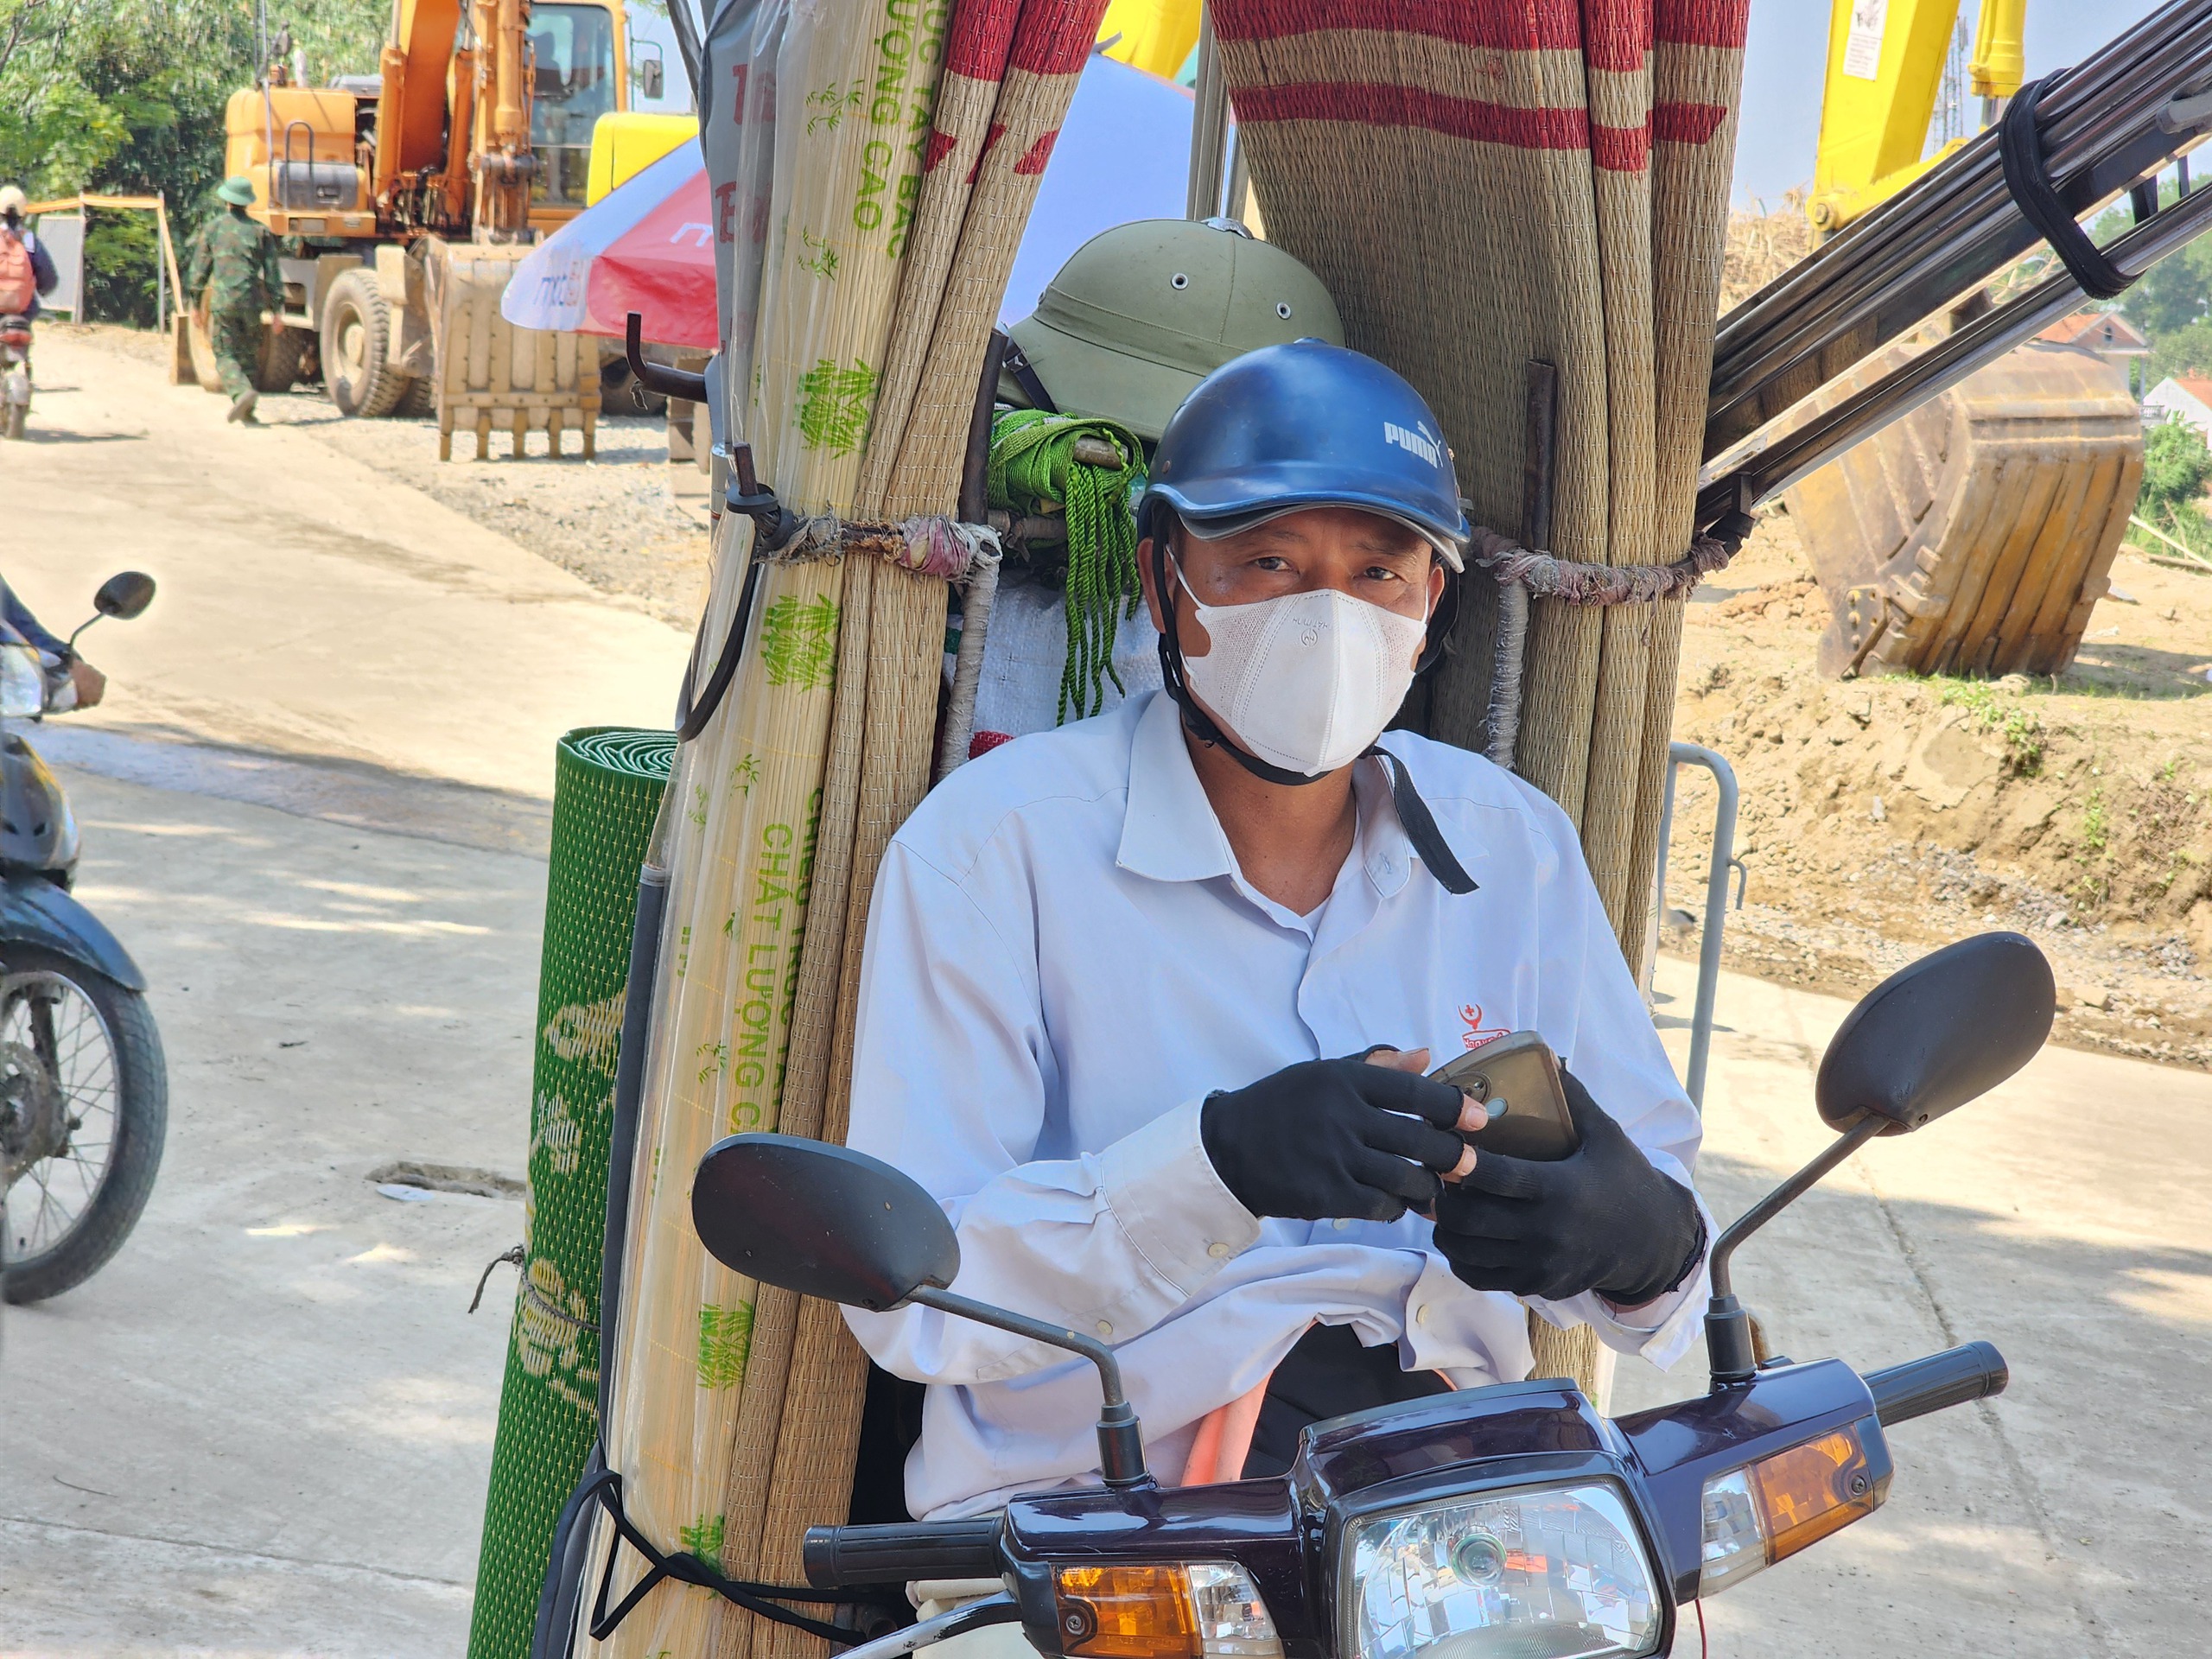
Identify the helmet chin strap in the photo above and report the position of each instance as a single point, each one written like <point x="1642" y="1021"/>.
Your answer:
<point x="1414" y="815"/>
<point x="1200" y="724"/>
<point x="1203" y="726"/>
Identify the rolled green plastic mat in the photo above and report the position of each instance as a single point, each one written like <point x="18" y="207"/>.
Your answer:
<point x="606" y="789"/>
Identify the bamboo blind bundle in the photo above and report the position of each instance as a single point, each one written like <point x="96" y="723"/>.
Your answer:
<point x="1509" y="181"/>
<point x="856" y="85"/>
<point x="1050" y="45"/>
<point x="796" y="1441"/>
<point x="975" y="49"/>
<point x="1697" y="63"/>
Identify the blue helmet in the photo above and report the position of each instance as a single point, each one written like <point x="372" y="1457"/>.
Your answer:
<point x="1306" y="424"/>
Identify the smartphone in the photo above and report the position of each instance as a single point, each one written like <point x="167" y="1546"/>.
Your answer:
<point x="1516" y="1079"/>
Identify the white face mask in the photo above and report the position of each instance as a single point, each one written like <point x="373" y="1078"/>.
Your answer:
<point x="1306" y="681"/>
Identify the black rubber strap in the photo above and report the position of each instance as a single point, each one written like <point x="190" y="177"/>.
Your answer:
<point x="1419" y="825"/>
<point x="691" y="718"/>
<point x="605" y="1488"/>
<point x="2020" y="148"/>
<point x="1016" y="363"/>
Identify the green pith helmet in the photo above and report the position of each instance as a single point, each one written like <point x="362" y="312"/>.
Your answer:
<point x="1141" y="313"/>
<point x="237" y="190"/>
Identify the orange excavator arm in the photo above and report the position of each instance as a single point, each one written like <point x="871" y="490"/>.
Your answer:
<point x="411" y="110"/>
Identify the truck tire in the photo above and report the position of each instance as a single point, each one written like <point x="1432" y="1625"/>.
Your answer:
<point x="419" y="400"/>
<point x="92" y="1020"/>
<point x="281" y="350"/>
<point x="356" y="348"/>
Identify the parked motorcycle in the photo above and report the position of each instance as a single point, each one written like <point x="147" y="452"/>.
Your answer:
<point x="15" y="375"/>
<point x="1507" y="1521"/>
<point x="84" y="1090"/>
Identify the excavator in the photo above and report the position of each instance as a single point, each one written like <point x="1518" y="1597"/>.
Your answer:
<point x="413" y="192"/>
<point x="1974" y="535"/>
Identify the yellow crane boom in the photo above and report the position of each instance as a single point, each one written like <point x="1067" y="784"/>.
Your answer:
<point x="1885" y="69"/>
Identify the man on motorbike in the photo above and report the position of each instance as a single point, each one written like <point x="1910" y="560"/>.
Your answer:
<point x="85" y="685"/>
<point x="1148" y="1000"/>
<point x="27" y="270"/>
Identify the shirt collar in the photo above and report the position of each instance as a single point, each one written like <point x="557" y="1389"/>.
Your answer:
<point x="1169" y="832"/>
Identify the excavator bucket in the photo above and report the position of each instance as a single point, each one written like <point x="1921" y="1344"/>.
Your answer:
<point x="492" y="374"/>
<point x="1973" y="536"/>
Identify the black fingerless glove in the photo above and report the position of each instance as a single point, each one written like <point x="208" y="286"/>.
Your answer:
<point x="1599" y="1219"/>
<point x="1327" y="1139"/>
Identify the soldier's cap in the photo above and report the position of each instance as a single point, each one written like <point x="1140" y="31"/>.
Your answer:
<point x="237" y="190"/>
<point x="1141" y="313"/>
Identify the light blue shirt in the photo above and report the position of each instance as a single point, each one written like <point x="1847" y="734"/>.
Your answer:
<point x="1063" y="960"/>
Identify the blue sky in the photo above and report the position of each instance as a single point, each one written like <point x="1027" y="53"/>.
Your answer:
<point x="1783" y="57"/>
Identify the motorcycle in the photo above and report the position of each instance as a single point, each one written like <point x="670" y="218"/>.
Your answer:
<point x="84" y="1090"/>
<point x="1513" y="1520"/>
<point x="15" y="375"/>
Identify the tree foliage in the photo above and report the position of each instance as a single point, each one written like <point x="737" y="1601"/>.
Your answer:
<point x="2176" y="466"/>
<point x="126" y="97"/>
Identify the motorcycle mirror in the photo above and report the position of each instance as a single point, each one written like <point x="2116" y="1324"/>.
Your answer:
<point x="1935" y="1035"/>
<point x="1929" y="1037"/>
<point x="124" y="595"/>
<point x="830" y="1222"/>
<point x="821" y="1220"/>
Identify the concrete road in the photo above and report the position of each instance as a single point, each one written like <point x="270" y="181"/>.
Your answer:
<point x="308" y="606"/>
<point x="266" y="1426"/>
<point x="2062" y="1218"/>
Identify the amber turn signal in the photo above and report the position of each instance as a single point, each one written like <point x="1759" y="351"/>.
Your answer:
<point x="1195" y="1610"/>
<point x="1769" y="1511"/>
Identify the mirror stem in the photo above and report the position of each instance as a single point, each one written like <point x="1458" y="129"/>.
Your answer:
<point x="1121" y="1438"/>
<point x="1728" y="1322"/>
<point x="81" y="626"/>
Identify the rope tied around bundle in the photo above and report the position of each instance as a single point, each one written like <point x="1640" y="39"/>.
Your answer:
<point x="1522" y="572"/>
<point x="1546" y="576"/>
<point x="929" y="545"/>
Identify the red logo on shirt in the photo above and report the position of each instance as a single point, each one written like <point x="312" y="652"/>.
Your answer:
<point x="1477" y="1034"/>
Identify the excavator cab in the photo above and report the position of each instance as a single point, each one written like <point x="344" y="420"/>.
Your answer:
<point x="572" y="85"/>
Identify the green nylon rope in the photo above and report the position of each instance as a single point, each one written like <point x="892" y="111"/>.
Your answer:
<point x="1033" y="465"/>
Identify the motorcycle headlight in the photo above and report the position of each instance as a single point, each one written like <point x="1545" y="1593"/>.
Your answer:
<point x="1543" y="1573"/>
<point x="22" y="682"/>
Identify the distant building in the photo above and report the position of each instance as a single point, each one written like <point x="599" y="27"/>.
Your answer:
<point x="2106" y="333"/>
<point x="2180" y="397"/>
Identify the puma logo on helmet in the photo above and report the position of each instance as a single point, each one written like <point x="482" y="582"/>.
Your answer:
<point x="1420" y="442"/>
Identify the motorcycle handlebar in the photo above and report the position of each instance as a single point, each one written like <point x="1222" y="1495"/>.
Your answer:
<point x="1950" y="1378"/>
<point x="839" y="1556"/>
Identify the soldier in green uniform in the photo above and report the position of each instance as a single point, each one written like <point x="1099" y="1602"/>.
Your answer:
<point x="235" y="258"/>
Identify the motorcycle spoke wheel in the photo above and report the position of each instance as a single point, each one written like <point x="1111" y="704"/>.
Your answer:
<point x="53" y="1018"/>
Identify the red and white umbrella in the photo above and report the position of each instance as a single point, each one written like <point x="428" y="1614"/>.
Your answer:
<point x="647" y="246"/>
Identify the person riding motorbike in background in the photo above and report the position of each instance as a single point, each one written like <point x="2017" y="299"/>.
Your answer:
<point x="75" y="683"/>
<point x="1146" y="999"/>
<point x="19" y="248"/>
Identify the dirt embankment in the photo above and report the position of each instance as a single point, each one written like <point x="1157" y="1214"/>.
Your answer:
<point x="1882" y="818"/>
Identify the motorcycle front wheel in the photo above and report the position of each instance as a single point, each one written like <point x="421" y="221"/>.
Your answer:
<point x="67" y="1029"/>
